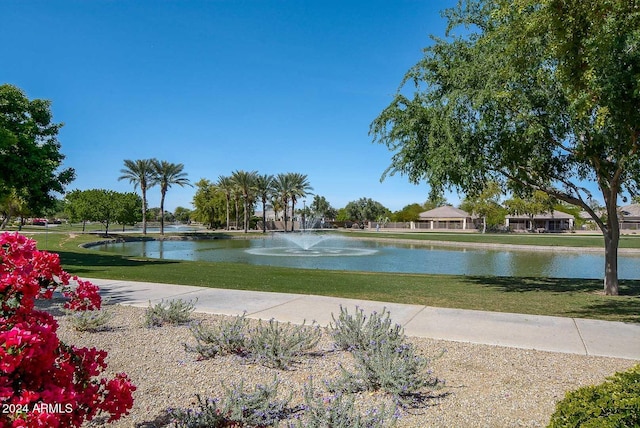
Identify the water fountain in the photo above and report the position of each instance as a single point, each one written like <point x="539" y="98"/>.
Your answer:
<point x="308" y="244"/>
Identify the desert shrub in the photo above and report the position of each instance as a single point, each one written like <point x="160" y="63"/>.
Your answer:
<point x="383" y="359"/>
<point x="279" y="345"/>
<point x="339" y="411"/>
<point x="273" y="344"/>
<point x="172" y="312"/>
<point x="259" y="408"/>
<point x="227" y="336"/>
<point x="614" y="403"/>
<point x="397" y="370"/>
<point x="352" y="332"/>
<point x="91" y="321"/>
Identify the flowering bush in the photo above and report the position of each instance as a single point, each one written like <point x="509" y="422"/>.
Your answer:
<point x="43" y="381"/>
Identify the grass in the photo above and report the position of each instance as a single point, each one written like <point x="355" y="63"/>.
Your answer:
<point x="580" y="298"/>
<point x="546" y="239"/>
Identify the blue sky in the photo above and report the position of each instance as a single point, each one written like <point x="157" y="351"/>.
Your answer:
<point x="272" y="86"/>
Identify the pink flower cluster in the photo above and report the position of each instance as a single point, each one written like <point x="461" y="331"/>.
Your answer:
<point x="43" y="381"/>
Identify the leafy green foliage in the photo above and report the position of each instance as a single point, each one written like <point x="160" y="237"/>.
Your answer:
<point x="171" y="312"/>
<point x="612" y="404"/>
<point x="536" y="95"/>
<point x="408" y="213"/>
<point x="365" y="209"/>
<point x="29" y="151"/>
<point x="104" y="206"/>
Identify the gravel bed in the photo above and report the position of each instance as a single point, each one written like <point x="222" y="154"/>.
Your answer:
<point x="485" y="386"/>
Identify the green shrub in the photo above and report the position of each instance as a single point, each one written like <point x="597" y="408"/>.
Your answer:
<point x="351" y="332"/>
<point x="279" y="345"/>
<point x="614" y="403"/>
<point x="91" y="321"/>
<point x="227" y="336"/>
<point x="238" y="408"/>
<point x="172" y="312"/>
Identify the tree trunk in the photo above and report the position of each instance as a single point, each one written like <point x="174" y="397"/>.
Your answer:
<point x="611" y="241"/>
<point x="246" y="215"/>
<point x="162" y="214"/>
<point x="264" y="217"/>
<point x="5" y="221"/>
<point x="293" y="204"/>
<point x="286" y="207"/>
<point x="144" y="211"/>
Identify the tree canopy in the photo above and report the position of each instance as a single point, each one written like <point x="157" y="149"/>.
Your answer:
<point x="535" y="95"/>
<point x="104" y="206"/>
<point x="29" y="151"/>
<point x="365" y="209"/>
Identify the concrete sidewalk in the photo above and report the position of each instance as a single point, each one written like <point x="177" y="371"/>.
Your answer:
<point x="545" y="333"/>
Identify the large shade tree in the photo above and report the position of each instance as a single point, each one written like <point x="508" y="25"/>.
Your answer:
<point x="29" y="151"/>
<point x="167" y="174"/>
<point x="140" y="173"/>
<point x="535" y="94"/>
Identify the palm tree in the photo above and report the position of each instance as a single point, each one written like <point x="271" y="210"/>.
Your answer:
<point x="264" y="189"/>
<point x="225" y="184"/>
<point x="282" y="190"/>
<point x="167" y="174"/>
<point x="246" y="183"/>
<point x="300" y="188"/>
<point x="140" y="172"/>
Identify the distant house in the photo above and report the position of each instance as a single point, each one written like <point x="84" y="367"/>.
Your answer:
<point x="555" y="221"/>
<point x="446" y="217"/>
<point x="629" y="217"/>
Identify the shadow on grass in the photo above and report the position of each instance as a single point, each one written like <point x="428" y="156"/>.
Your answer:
<point x="74" y="262"/>
<point x="554" y="285"/>
<point x="625" y="307"/>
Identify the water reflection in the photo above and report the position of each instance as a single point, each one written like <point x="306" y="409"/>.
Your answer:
<point x="384" y="257"/>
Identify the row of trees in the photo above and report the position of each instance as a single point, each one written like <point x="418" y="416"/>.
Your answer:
<point x="104" y="206"/>
<point x="147" y="173"/>
<point x="245" y="189"/>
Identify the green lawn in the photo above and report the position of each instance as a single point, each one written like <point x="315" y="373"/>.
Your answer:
<point x="543" y="296"/>
<point x="547" y="239"/>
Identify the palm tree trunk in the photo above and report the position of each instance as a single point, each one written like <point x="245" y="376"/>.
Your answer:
<point x="246" y="215"/>
<point x="293" y="205"/>
<point x="144" y="210"/>
<point x="264" y="216"/>
<point x="162" y="213"/>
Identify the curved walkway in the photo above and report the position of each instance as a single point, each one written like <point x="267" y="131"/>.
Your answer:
<point x="545" y="333"/>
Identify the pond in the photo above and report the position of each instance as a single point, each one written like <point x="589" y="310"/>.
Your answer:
<point x="339" y="253"/>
